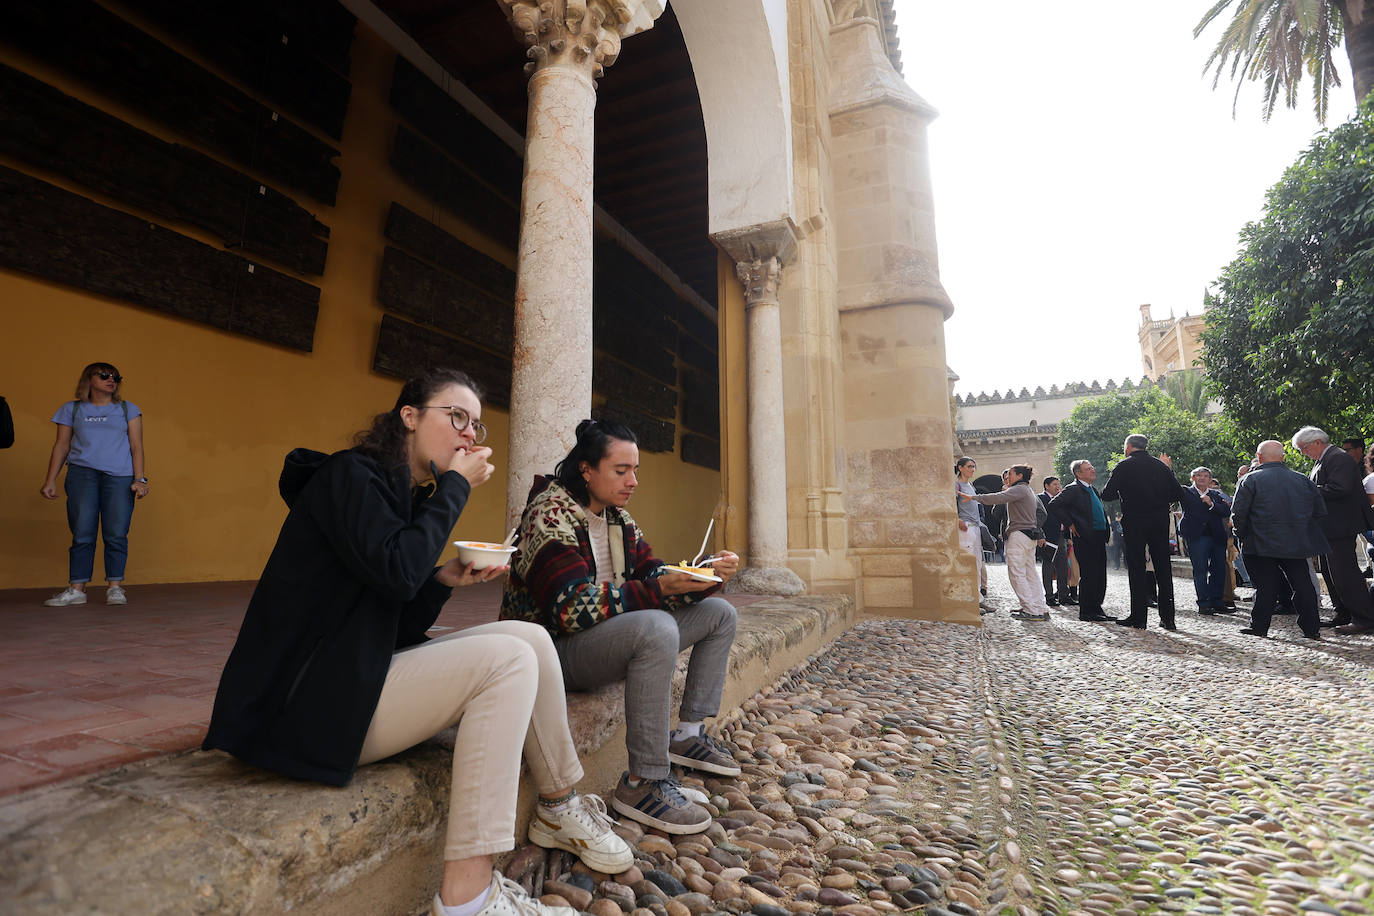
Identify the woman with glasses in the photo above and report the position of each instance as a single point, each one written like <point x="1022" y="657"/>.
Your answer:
<point x="332" y="668"/>
<point x="100" y="439"/>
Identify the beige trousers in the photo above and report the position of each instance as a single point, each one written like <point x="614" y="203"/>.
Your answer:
<point x="502" y="684"/>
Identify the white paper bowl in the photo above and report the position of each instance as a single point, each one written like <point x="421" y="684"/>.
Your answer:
<point x="483" y="554"/>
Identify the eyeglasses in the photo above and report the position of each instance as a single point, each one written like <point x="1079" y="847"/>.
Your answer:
<point x="461" y="420"/>
<point x="106" y="376"/>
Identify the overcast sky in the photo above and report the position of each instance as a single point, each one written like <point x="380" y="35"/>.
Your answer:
<point x="1083" y="165"/>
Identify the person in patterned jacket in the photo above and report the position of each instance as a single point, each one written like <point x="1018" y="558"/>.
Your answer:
<point x="616" y="612"/>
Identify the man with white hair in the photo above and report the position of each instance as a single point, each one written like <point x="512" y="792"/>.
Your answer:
<point x="1277" y="514"/>
<point x="1347" y="515"/>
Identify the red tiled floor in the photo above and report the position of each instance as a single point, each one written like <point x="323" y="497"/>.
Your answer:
<point x="93" y="687"/>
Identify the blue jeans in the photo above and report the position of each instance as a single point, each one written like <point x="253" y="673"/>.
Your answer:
<point x="1208" y="556"/>
<point x="98" y="500"/>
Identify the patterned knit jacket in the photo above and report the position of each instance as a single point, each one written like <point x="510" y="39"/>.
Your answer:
<point x="553" y="575"/>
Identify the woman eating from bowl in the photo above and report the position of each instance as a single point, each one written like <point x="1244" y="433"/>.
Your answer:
<point x="332" y="668"/>
<point x="585" y="572"/>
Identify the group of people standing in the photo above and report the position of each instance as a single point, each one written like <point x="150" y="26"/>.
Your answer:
<point x="1280" y="519"/>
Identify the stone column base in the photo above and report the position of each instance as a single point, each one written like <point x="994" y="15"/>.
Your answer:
<point x="765" y="580"/>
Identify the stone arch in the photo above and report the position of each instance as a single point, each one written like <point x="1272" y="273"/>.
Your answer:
<point x="738" y="50"/>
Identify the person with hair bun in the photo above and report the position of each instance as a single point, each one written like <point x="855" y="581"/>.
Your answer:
<point x="100" y="440"/>
<point x="585" y="572"/>
<point x="332" y="668"/>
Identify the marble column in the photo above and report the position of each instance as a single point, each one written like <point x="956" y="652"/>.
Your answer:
<point x="759" y="259"/>
<point x="568" y="43"/>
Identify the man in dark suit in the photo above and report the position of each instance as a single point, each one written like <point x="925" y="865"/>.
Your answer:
<point x="1338" y="478"/>
<point x="1146" y="487"/>
<point x="1277" y="515"/>
<point x="1054" y="563"/>
<point x="1203" y="526"/>
<point x="1080" y="508"/>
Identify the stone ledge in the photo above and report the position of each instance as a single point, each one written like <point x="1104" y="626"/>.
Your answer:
<point x="202" y="833"/>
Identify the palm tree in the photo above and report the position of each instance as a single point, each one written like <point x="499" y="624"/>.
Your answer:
<point x="1188" y="390"/>
<point x="1274" y="41"/>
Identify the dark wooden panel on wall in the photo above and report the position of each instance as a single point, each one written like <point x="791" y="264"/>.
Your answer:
<point x="631" y="345"/>
<point x="701" y="402"/>
<point x="701" y="451"/>
<point x="53" y="131"/>
<point x="405" y="350"/>
<point x="293" y="53"/>
<point x="698" y="356"/>
<point x="412" y="288"/>
<point x="618" y="382"/>
<point x="697" y="325"/>
<point x="52" y="233"/>
<point x="87" y="41"/>
<point x="422" y="238"/>
<point x="654" y="435"/>
<point x="439" y="117"/>
<point x="426" y="168"/>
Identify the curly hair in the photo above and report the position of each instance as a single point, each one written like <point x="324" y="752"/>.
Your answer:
<point x="594" y="438"/>
<point x="385" y="440"/>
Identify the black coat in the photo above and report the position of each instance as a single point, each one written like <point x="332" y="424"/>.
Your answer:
<point x="1055" y="526"/>
<point x="350" y="581"/>
<point x="1074" y="507"/>
<point x="1198" y="520"/>
<point x="1278" y="513"/>
<point x="1145" y="486"/>
<point x="1337" y="476"/>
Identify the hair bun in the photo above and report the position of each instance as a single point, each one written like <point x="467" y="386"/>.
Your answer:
<point x="583" y="426"/>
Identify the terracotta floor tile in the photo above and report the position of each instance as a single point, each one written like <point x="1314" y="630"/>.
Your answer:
<point x="78" y="753"/>
<point x="22" y="774"/>
<point x="186" y="710"/>
<point x="170" y="740"/>
<point x="11" y="692"/>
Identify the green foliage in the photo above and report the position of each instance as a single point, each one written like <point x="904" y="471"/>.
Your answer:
<point x="1097" y="428"/>
<point x="1274" y="42"/>
<point x="1290" y="327"/>
<point x="1188" y="390"/>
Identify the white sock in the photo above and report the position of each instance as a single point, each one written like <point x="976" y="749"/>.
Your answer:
<point x="686" y="730"/>
<point x="471" y="907"/>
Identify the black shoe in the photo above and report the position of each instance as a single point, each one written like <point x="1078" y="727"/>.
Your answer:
<point x="1326" y="624"/>
<point x="1224" y="609"/>
<point x="1128" y="622"/>
<point x="1070" y="602"/>
<point x="1251" y="631"/>
<point x="1169" y="626"/>
<point x="1095" y="618"/>
<point x="1052" y="602"/>
<point x="1313" y="635"/>
<point x="1355" y="629"/>
<point x="1207" y="611"/>
<point x="1152" y="603"/>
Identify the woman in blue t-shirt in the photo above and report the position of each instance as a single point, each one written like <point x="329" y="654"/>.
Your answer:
<point x="100" y="439"/>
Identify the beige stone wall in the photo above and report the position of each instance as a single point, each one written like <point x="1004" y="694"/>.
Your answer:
<point x="993" y="456"/>
<point x="817" y="527"/>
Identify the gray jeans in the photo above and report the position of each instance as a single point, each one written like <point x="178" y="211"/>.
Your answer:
<point x="641" y="648"/>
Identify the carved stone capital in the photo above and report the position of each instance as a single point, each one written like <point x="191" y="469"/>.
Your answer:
<point x="760" y="278"/>
<point x="581" y="34"/>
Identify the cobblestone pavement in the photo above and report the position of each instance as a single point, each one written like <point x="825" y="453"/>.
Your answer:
<point x="1029" y="768"/>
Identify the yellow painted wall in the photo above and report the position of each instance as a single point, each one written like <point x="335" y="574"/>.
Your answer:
<point x="223" y="410"/>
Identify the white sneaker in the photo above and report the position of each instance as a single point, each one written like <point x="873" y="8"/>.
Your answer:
<point x="584" y="830"/>
<point x="506" y="898"/>
<point x="115" y="595"/>
<point x="67" y="598"/>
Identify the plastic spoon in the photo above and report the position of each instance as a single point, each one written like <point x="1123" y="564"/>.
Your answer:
<point x="510" y="538"/>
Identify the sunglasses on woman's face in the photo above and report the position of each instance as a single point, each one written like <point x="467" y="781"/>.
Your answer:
<point x="106" y="376"/>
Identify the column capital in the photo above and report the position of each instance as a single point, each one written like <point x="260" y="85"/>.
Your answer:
<point x="760" y="279"/>
<point x="581" y="34"/>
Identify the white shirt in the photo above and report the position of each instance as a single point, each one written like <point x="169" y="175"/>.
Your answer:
<point x="599" y="533"/>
